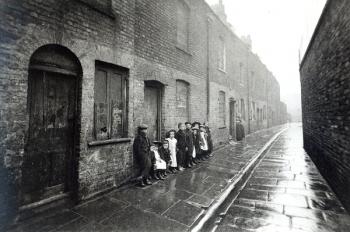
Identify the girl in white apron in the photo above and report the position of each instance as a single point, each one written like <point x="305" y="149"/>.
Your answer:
<point x="172" y="147"/>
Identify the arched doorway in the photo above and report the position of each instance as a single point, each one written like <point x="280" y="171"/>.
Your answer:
<point x="49" y="166"/>
<point x="153" y="108"/>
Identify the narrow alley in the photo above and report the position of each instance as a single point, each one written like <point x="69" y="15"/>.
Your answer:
<point x="286" y="193"/>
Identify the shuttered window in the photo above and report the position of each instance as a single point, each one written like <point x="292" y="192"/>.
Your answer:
<point x="110" y="102"/>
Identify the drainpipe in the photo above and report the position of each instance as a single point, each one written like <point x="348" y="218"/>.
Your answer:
<point x="208" y="68"/>
<point x="248" y="86"/>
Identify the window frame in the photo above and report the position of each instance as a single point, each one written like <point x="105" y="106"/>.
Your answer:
<point x="222" y="55"/>
<point x="111" y="69"/>
<point x="187" y="12"/>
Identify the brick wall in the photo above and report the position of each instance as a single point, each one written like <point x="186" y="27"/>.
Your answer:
<point x="326" y="97"/>
<point x="139" y="36"/>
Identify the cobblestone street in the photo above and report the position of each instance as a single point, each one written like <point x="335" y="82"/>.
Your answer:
<point x="286" y="193"/>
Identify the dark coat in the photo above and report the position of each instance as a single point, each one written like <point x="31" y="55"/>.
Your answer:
<point x="142" y="153"/>
<point x="164" y="154"/>
<point x="196" y="142"/>
<point x="189" y="140"/>
<point x="240" y="131"/>
<point x="181" y="138"/>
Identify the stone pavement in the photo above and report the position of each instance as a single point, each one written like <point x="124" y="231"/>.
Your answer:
<point x="286" y="193"/>
<point x="171" y="205"/>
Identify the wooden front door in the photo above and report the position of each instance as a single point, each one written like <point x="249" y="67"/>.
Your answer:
<point x="48" y="162"/>
<point x="152" y="111"/>
<point x="232" y="120"/>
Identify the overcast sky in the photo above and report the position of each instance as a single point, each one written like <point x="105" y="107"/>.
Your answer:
<point x="278" y="28"/>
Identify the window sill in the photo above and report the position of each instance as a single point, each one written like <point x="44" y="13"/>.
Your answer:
<point x="107" y="142"/>
<point x="223" y="127"/>
<point x="184" y="50"/>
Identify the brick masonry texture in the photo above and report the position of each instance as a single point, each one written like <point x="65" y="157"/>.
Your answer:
<point x="139" y="35"/>
<point x="326" y="97"/>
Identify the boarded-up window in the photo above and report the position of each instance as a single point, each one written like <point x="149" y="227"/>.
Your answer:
<point x="222" y="55"/>
<point x="182" y="100"/>
<point x="222" y="108"/>
<point x="110" y="108"/>
<point x="183" y="15"/>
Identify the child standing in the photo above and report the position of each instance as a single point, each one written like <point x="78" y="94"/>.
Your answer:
<point x="172" y="147"/>
<point x="196" y="148"/>
<point x="203" y="143"/>
<point x="181" y="146"/>
<point x="189" y="139"/>
<point x="141" y="149"/>
<point x="209" y="139"/>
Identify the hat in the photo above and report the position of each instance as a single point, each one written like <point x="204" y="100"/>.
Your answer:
<point x="157" y="142"/>
<point x="201" y="125"/>
<point x="165" y="142"/>
<point x="187" y="123"/>
<point x="195" y="128"/>
<point x="172" y="130"/>
<point x="142" y="126"/>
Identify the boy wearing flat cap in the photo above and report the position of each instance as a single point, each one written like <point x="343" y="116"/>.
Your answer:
<point x="142" y="154"/>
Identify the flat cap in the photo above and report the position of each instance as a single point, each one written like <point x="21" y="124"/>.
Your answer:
<point x="143" y="126"/>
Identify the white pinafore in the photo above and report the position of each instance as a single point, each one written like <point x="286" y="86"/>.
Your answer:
<point x="160" y="164"/>
<point x="172" y="148"/>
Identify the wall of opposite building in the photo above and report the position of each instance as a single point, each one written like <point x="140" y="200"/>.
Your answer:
<point x="139" y="36"/>
<point x="325" y="87"/>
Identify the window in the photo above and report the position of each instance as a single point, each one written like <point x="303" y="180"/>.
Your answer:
<point x="183" y="16"/>
<point x="110" y="107"/>
<point x="222" y="106"/>
<point x="222" y="55"/>
<point x="182" y="100"/>
<point x="264" y="113"/>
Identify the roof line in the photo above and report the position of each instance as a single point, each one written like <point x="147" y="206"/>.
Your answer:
<point x="312" y="40"/>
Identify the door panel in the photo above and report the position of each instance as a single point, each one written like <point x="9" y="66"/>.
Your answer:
<point x="49" y="150"/>
<point x="152" y="95"/>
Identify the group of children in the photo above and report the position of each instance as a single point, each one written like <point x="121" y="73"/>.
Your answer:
<point x="181" y="149"/>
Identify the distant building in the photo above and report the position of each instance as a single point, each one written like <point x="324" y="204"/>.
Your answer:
<point x="78" y="77"/>
<point x="325" y="84"/>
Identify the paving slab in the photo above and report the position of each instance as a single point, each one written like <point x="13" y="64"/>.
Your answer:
<point x="286" y="192"/>
<point x="174" y="204"/>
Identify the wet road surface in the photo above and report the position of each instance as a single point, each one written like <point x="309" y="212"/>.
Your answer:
<point x="171" y="205"/>
<point x="286" y="193"/>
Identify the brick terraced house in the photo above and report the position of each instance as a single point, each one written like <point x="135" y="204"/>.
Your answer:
<point x="78" y="76"/>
